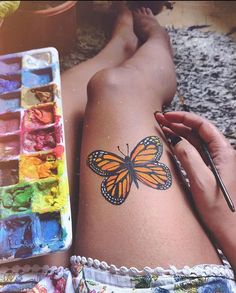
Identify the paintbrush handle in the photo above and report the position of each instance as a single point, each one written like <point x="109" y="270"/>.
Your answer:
<point x="218" y="178"/>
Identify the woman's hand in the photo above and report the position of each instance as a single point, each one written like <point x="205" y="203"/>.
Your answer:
<point x="207" y="195"/>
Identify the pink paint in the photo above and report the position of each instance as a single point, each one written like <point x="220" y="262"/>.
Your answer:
<point x="40" y="140"/>
<point x="9" y="123"/>
<point x="9" y="147"/>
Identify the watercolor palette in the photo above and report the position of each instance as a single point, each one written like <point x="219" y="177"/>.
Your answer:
<point x="35" y="217"/>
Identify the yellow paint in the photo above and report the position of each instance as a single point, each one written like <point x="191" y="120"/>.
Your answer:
<point x="53" y="198"/>
<point x="32" y="167"/>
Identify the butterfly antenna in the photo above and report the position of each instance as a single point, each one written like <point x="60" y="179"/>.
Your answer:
<point x="127" y="149"/>
<point x="120" y="151"/>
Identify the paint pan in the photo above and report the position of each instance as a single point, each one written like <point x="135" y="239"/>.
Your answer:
<point x="9" y="83"/>
<point x="40" y="140"/>
<point x="16" y="200"/>
<point x="40" y="116"/>
<point x="10" y="65"/>
<point x="10" y="102"/>
<point x="38" y="167"/>
<point x="38" y="95"/>
<point x="48" y="196"/>
<point x="38" y="60"/>
<point x="51" y="231"/>
<point x="39" y="77"/>
<point x="9" y="123"/>
<point x="35" y="217"/>
<point x="9" y="146"/>
<point x="9" y="172"/>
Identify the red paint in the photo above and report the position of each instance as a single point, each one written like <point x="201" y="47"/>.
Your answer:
<point x="59" y="151"/>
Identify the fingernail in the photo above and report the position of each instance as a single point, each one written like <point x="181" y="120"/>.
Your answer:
<point x="158" y="112"/>
<point x="166" y="111"/>
<point x="174" y="139"/>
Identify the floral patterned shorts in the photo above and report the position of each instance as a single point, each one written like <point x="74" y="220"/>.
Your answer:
<point x="93" y="276"/>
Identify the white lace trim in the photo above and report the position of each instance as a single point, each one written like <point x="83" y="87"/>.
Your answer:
<point x="196" y="271"/>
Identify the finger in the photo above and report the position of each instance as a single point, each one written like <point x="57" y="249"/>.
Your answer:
<point x="200" y="176"/>
<point x="207" y="131"/>
<point x="185" y="132"/>
<point x="179" y="129"/>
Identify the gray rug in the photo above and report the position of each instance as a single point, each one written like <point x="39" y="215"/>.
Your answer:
<point x="206" y="72"/>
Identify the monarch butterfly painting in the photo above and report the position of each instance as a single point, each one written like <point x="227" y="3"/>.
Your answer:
<point x="141" y="166"/>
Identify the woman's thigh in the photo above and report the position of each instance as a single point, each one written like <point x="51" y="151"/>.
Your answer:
<point x="155" y="224"/>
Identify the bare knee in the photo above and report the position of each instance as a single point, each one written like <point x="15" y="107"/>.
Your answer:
<point x="112" y="81"/>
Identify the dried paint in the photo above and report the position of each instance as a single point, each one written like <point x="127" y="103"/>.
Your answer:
<point x="20" y="235"/>
<point x="51" y="230"/>
<point x="9" y="104"/>
<point x="16" y="200"/>
<point x="38" y="167"/>
<point x="9" y="173"/>
<point x="38" y="95"/>
<point x="9" y="123"/>
<point x="40" y="140"/>
<point x="48" y="197"/>
<point x="36" y="78"/>
<point x="8" y="85"/>
<point x="39" y="116"/>
<point x="9" y="146"/>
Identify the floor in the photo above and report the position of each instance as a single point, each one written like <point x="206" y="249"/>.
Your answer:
<point x="219" y="15"/>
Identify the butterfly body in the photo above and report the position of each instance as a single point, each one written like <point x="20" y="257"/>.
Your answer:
<point x="142" y="165"/>
<point x="130" y="167"/>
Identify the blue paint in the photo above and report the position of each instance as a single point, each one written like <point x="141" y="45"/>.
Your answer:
<point x="20" y="236"/>
<point x="36" y="77"/>
<point x="5" y="250"/>
<point x="8" y="85"/>
<point x="11" y="104"/>
<point x="51" y="231"/>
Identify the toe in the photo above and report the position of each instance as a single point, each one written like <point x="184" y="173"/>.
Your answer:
<point x="143" y="9"/>
<point x="149" y="12"/>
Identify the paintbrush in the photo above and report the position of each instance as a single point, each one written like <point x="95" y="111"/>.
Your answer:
<point x="217" y="176"/>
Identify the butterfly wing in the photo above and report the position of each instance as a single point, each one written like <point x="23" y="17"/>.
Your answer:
<point x="116" y="188"/>
<point x="147" y="169"/>
<point x="105" y="163"/>
<point x="154" y="174"/>
<point x="148" y="149"/>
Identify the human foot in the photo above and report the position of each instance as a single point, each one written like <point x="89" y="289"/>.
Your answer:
<point x="146" y="26"/>
<point x="123" y="29"/>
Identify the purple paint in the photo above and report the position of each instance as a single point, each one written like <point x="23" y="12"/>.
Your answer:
<point x="9" y="83"/>
<point x="37" y="77"/>
<point x="9" y="173"/>
<point x="20" y="235"/>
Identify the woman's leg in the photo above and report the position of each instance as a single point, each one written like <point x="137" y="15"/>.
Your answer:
<point x="153" y="227"/>
<point x="74" y="84"/>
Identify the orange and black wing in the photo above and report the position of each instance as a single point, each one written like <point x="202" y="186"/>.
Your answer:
<point x="116" y="188"/>
<point x="154" y="174"/>
<point x="148" y="149"/>
<point x="105" y="163"/>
